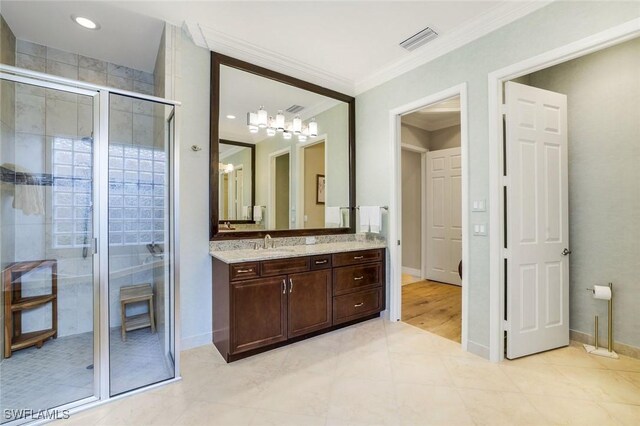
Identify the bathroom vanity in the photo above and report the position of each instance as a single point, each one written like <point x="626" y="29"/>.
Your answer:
<point x="267" y="298"/>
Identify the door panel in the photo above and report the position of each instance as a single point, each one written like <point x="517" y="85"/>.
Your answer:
<point x="259" y="313"/>
<point x="309" y="302"/>
<point x="537" y="220"/>
<point x="444" y="215"/>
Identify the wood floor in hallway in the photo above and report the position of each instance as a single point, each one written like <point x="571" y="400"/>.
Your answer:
<point x="433" y="307"/>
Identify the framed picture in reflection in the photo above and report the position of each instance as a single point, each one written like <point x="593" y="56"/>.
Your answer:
<point x="320" y="189"/>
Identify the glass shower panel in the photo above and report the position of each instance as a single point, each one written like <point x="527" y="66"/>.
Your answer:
<point x="46" y="251"/>
<point x="140" y="244"/>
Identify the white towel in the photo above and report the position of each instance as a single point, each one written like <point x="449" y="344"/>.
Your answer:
<point x="370" y="219"/>
<point x="332" y="217"/>
<point x="257" y="213"/>
<point x="28" y="198"/>
<point x="364" y="219"/>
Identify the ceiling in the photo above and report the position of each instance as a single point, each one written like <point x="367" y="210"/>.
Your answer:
<point x="242" y="92"/>
<point x="349" y="46"/>
<point x="435" y="117"/>
<point x="49" y="23"/>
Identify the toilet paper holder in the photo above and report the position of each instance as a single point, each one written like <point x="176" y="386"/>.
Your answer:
<point x="595" y="350"/>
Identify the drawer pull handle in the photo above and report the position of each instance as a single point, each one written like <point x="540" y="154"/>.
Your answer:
<point x="244" y="271"/>
<point x="358" y="278"/>
<point x="358" y="257"/>
<point x="357" y="305"/>
<point x="321" y="262"/>
<point x="284" y="286"/>
<point x="290" y="285"/>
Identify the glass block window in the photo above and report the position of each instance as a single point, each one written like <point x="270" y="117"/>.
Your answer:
<point x="71" y="194"/>
<point x="136" y="195"/>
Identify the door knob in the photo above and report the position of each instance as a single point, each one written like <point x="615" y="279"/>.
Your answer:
<point x="566" y="252"/>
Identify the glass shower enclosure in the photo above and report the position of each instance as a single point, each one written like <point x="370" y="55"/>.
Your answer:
<point x="87" y="244"/>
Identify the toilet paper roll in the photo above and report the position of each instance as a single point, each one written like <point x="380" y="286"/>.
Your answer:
<point x="601" y="292"/>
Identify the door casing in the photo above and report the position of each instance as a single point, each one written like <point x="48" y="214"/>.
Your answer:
<point x="395" y="205"/>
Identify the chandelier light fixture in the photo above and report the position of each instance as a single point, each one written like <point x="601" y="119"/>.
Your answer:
<point x="273" y="125"/>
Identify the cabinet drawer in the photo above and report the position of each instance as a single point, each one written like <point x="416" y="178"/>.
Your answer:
<point x="355" y="278"/>
<point x="356" y="257"/>
<point x="285" y="266"/>
<point x="244" y="271"/>
<point x="356" y="305"/>
<point x="322" y="261"/>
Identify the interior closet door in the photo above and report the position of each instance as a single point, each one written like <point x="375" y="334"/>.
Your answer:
<point x="444" y="215"/>
<point x="537" y="220"/>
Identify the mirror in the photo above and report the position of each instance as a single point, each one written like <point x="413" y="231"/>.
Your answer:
<point x="236" y="182"/>
<point x="283" y="152"/>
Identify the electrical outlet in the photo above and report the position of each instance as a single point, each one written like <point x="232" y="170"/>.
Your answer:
<point x="310" y="240"/>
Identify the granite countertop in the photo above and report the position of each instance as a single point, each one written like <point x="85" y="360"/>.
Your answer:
<point x="249" y="255"/>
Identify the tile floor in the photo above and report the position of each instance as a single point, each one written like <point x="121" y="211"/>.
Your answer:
<point x="379" y="373"/>
<point x="57" y="373"/>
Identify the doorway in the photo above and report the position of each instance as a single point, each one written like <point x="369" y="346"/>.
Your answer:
<point x="457" y="95"/>
<point x="591" y="153"/>
<point x="432" y="218"/>
<point x="280" y="189"/>
<point x="313" y="192"/>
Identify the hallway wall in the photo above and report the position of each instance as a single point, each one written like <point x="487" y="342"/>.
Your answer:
<point x="555" y="25"/>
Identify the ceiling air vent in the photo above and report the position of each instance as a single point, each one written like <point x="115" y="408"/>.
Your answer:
<point x="294" y="109"/>
<point x="419" y="39"/>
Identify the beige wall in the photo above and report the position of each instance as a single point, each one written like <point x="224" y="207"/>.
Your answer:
<point x="415" y="136"/>
<point x="411" y="209"/>
<point x="446" y="138"/>
<point x="313" y="166"/>
<point x="603" y="95"/>
<point x="282" y="191"/>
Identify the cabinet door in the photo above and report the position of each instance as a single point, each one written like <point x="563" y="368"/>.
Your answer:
<point x="258" y="313"/>
<point x="309" y="302"/>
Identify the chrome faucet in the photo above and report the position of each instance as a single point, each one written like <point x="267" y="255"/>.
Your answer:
<point x="267" y="238"/>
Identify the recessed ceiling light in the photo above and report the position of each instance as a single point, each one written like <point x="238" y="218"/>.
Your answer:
<point x="85" y="22"/>
<point x="231" y="117"/>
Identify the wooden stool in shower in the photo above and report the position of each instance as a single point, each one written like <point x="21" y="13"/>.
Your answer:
<point x="133" y="294"/>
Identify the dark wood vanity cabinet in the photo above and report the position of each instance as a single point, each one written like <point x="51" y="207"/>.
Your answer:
<point x="260" y="305"/>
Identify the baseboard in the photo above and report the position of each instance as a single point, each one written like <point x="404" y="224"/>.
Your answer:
<point x="620" y="348"/>
<point x="478" y="349"/>
<point x="195" y="341"/>
<point x="412" y="271"/>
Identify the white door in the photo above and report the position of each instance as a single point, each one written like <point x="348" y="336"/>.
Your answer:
<point x="444" y="215"/>
<point x="537" y="220"/>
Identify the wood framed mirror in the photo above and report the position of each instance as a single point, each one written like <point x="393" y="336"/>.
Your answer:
<point x="295" y="131"/>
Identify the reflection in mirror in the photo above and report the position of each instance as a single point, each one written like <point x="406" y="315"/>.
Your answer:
<point x="236" y="183"/>
<point x="301" y="144"/>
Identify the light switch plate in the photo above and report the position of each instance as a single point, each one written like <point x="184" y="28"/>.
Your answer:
<point x="480" y="229"/>
<point x="479" y="206"/>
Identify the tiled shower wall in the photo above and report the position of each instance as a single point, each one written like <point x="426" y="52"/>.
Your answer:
<point x="40" y="116"/>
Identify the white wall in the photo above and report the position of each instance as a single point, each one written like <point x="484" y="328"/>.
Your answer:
<point x="603" y="91"/>
<point x="192" y="89"/>
<point x="550" y="27"/>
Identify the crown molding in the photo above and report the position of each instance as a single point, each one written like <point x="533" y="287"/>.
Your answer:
<point x="484" y="24"/>
<point x="430" y="126"/>
<point x="249" y="52"/>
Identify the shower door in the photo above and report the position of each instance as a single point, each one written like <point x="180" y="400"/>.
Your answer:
<point x="49" y="280"/>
